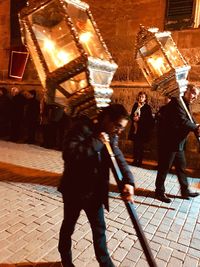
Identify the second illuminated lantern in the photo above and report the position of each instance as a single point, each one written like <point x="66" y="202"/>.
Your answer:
<point x="162" y="64"/>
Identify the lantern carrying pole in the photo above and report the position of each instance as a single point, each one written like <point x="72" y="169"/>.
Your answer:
<point x="191" y="119"/>
<point x="131" y="209"/>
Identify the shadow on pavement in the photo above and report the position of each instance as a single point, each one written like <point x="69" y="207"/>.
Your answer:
<point x="138" y="191"/>
<point x="34" y="264"/>
<point x="19" y="174"/>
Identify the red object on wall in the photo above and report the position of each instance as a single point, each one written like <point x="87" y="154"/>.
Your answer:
<point x="18" y="62"/>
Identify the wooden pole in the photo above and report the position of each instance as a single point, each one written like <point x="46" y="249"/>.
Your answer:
<point x="131" y="209"/>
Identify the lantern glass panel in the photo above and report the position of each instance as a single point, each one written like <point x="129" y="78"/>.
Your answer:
<point x="171" y="51"/>
<point x="35" y="58"/>
<point x="53" y="36"/>
<point x="88" y="36"/>
<point x="144" y="68"/>
<point x="155" y="58"/>
<point x="75" y="83"/>
<point x="59" y="98"/>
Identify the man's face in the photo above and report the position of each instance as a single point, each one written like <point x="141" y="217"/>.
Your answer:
<point x="115" y="127"/>
<point x="191" y="95"/>
<point x="142" y="98"/>
<point x="14" y="91"/>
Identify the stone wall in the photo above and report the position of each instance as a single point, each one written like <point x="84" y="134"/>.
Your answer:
<point x="118" y="22"/>
<point x="4" y="38"/>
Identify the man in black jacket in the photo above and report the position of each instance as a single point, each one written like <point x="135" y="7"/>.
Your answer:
<point x="174" y="125"/>
<point x="85" y="181"/>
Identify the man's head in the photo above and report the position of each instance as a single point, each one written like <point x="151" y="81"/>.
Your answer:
<point x="14" y="91"/>
<point x="191" y="93"/>
<point x="3" y="91"/>
<point x="142" y="97"/>
<point x="113" y="119"/>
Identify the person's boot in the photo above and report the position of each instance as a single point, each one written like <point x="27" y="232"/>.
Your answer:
<point x="162" y="197"/>
<point x="188" y="194"/>
<point x="64" y="264"/>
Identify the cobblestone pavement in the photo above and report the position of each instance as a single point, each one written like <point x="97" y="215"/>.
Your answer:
<point x="31" y="215"/>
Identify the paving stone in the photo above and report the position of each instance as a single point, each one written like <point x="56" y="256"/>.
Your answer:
<point x="190" y="261"/>
<point x="164" y="253"/>
<point x="32" y="212"/>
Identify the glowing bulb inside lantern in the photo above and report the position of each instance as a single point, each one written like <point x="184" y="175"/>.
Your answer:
<point x="48" y="44"/>
<point x="63" y="57"/>
<point x="85" y="38"/>
<point x="57" y="57"/>
<point x="158" y="65"/>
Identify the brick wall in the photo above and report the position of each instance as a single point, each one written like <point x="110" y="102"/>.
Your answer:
<point x="4" y="38"/>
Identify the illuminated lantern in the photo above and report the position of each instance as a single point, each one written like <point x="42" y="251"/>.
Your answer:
<point x="162" y="64"/>
<point x="72" y="61"/>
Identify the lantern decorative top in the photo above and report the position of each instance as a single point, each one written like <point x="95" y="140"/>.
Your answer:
<point x="160" y="61"/>
<point x="72" y="61"/>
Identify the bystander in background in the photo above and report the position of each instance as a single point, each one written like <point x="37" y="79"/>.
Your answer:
<point x="141" y="127"/>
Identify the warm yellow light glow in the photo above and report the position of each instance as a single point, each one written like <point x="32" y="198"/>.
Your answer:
<point x="58" y="57"/>
<point x="172" y="48"/>
<point x="85" y="37"/>
<point x="63" y="56"/>
<point x="172" y="55"/>
<point x="48" y="44"/>
<point x="83" y="83"/>
<point x="85" y="40"/>
<point x="158" y="65"/>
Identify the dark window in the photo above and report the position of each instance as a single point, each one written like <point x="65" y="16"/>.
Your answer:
<point x="15" y="7"/>
<point x="180" y="14"/>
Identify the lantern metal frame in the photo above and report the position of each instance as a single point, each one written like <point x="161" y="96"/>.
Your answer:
<point x="97" y="70"/>
<point x="173" y="80"/>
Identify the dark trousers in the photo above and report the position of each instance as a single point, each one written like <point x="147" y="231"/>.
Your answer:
<point x="165" y="161"/>
<point x="95" y="214"/>
<point x="138" y="150"/>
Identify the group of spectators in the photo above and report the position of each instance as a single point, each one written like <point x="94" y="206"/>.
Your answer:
<point x="24" y="119"/>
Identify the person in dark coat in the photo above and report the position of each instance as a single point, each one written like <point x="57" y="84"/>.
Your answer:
<point x="174" y="125"/>
<point x="54" y="122"/>
<point x="5" y="113"/>
<point x="17" y="114"/>
<point x="85" y="181"/>
<point x="141" y="127"/>
<point x="32" y="115"/>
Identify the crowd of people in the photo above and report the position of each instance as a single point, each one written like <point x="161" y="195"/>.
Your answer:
<point x="25" y="119"/>
<point x="85" y="181"/>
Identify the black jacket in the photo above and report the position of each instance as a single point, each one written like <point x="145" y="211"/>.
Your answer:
<point x="87" y="164"/>
<point x="173" y="126"/>
<point x="144" y="125"/>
